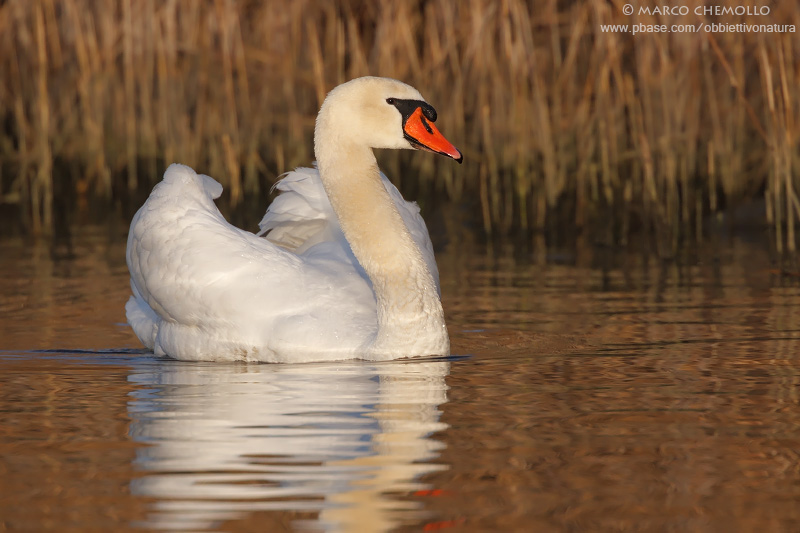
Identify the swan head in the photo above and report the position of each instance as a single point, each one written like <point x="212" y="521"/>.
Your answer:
<point x="380" y="113"/>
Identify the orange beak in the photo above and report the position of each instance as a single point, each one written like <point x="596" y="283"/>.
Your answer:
<point x="423" y="134"/>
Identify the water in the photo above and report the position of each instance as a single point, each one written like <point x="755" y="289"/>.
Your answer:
<point x="603" y="390"/>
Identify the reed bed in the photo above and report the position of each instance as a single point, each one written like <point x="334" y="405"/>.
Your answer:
<point x="561" y="123"/>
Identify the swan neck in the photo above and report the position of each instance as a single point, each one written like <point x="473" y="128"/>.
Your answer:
<point x="368" y="216"/>
<point x="406" y="294"/>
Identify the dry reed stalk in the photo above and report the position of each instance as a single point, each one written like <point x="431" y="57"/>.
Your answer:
<point x="549" y="109"/>
<point x="128" y="72"/>
<point x="42" y="189"/>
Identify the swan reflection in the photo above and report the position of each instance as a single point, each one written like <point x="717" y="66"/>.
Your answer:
<point x="339" y="439"/>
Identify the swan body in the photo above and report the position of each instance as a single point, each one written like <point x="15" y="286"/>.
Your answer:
<point x="342" y="268"/>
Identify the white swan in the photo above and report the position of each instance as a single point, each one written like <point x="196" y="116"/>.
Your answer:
<point x="347" y="268"/>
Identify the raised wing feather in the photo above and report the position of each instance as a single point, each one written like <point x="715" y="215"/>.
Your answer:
<point x="302" y="217"/>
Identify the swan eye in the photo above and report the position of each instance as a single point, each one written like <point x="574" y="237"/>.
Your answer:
<point x="390" y="101"/>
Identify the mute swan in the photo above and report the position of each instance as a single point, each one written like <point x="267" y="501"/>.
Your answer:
<point x="346" y="269"/>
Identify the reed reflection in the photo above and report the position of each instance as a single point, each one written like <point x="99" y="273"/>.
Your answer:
<point x="339" y="440"/>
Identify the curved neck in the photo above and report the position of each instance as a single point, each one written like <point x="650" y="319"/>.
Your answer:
<point x="406" y="294"/>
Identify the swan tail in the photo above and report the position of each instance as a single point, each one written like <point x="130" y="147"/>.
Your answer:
<point x="185" y="179"/>
<point x="143" y="320"/>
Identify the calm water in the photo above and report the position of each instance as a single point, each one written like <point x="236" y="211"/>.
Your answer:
<point x="603" y="391"/>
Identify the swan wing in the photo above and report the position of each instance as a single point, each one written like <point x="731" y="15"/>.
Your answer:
<point x="301" y="217"/>
<point x="409" y="211"/>
<point x="204" y="289"/>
